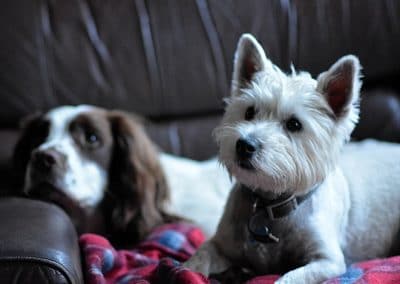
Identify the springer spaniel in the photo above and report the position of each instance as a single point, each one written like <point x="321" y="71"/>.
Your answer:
<point x="104" y="171"/>
<point x="99" y="166"/>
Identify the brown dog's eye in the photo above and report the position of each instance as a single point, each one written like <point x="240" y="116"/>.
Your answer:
<point x="92" y="139"/>
<point x="250" y="113"/>
<point x="293" y="124"/>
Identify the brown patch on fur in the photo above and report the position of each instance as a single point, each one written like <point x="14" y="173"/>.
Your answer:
<point x="35" y="131"/>
<point x="138" y="190"/>
<point x="94" y="122"/>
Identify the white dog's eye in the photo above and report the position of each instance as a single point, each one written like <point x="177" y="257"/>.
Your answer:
<point x="250" y="113"/>
<point x="293" y="124"/>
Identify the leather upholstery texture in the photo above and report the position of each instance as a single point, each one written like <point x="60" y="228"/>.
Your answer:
<point x="38" y="244"/>
<point x="171" y="61"/>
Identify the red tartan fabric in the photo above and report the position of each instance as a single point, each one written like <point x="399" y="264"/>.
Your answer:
<point x="157" y="260"/>
<point x="377" y="271"/>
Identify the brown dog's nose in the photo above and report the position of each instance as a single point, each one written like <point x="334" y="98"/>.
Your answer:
<point x="44" y="160"/>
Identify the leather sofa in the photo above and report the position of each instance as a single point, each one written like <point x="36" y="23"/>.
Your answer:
<point x="170" y="61"/>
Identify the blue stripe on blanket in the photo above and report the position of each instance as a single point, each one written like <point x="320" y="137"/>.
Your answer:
<point x="172" y="239"/>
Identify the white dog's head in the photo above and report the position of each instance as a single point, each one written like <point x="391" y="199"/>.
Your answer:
<point x="283" y="133"/>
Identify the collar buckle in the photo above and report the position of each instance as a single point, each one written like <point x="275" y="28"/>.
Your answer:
<point x="258" y="222"/>
<point x="287" y="205"/>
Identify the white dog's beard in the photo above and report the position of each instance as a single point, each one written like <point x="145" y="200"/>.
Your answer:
<point x="267" y="168"/>
<point x="278" y="170"/>
<point x="254" y="178"/>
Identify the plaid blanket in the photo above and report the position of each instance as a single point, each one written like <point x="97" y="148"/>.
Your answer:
<point x="157" y="260"/>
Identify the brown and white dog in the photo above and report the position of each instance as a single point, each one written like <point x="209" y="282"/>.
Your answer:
<point x="99" y="166"/>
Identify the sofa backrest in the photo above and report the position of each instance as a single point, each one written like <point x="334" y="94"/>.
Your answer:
<point x="171" y="60"/>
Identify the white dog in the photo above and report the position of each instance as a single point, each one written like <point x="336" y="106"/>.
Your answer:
<point x="302" y="207"/>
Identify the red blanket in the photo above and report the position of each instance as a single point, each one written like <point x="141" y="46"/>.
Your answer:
<point x="157" y="260"/>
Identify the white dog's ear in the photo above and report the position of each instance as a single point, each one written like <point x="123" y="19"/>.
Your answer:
<point x="249" y="59"/>
<point x="341" y="84"/>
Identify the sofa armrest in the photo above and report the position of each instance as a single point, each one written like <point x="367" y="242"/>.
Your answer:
<point x="38" y="243"/>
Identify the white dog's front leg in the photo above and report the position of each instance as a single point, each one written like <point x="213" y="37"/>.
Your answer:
<point x="207" y="260"/>
<point x="314" y="272"/>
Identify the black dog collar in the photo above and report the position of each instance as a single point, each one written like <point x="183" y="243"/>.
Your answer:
<point x="265" y="210"/>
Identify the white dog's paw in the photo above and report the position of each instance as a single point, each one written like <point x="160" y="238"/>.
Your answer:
<point x="305" y="276"/>
<point x="293" y="277"/>
<point x="281" y="281"/>
<point x="290" y="279"/>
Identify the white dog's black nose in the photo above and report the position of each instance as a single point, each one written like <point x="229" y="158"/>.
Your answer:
<point x="245" y="148"/>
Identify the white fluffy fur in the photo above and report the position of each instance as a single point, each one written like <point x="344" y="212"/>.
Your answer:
<point x="198" y="189"/>
<point x="355" y="213"/>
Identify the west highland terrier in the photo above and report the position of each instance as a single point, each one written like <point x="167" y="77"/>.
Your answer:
<point x="304" y="206"/>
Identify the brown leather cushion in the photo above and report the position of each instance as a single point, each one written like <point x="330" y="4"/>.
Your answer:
<point x="38" y="243"/>
<point x="174" y="58"/>
<point x="380" y="116"/>
<point x="190" y="137"/>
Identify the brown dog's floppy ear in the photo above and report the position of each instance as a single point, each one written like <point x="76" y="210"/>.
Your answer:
<point x="34" y="132"/>
<point x="138" y="189"/>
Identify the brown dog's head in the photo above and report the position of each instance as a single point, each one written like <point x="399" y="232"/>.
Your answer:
<point x="91" y="161"/>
